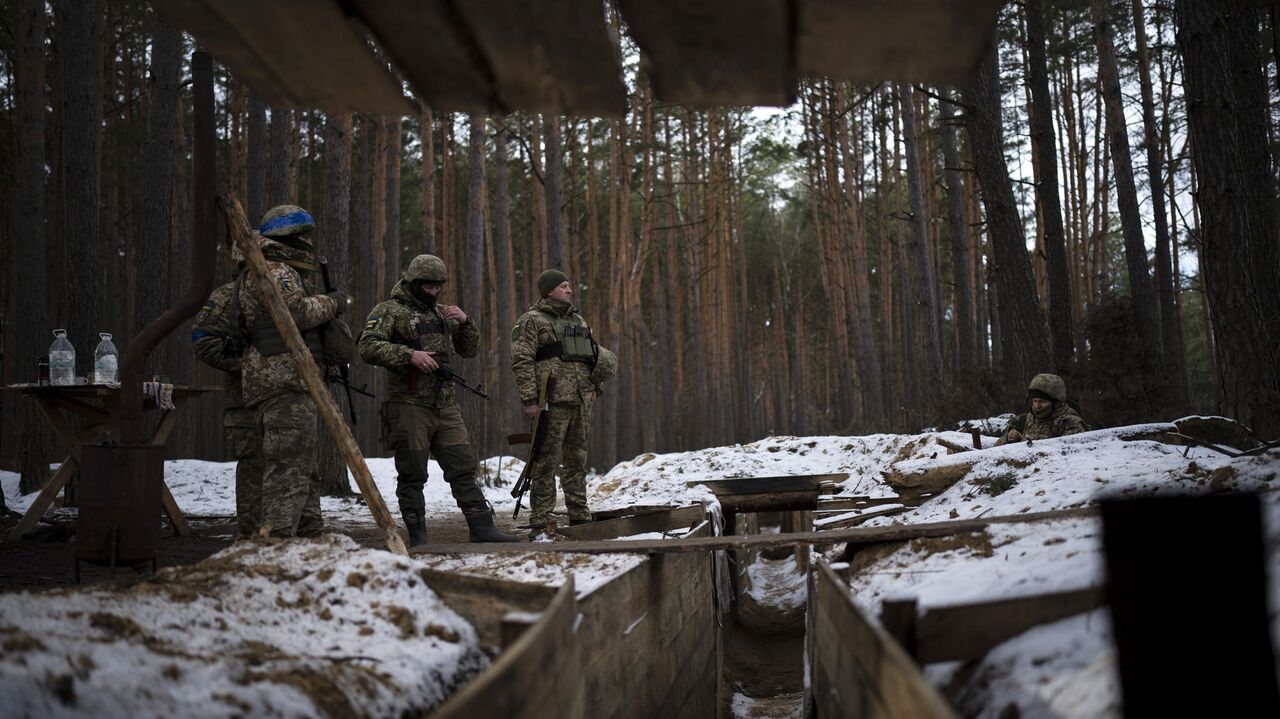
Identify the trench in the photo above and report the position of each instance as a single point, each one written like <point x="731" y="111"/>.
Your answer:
<point x="764" y="639"/>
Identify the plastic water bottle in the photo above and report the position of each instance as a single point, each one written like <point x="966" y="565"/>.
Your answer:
<point x="62" y="360"/>
<point x="105" y="362"/>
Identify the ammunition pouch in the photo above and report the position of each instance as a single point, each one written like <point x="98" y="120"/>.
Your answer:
<point x="264" y="337"/>
<point x="337" y="346"/>
<point x="575" y="342"/>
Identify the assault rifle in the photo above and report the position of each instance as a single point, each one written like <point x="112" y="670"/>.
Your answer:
<point x="443" y="371"/>
<point x="334" y="377"/>
<point x="536" y="440"/>
<point x="344" y="370"/>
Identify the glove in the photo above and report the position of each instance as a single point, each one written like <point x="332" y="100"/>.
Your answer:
<point x="339" y="299"/>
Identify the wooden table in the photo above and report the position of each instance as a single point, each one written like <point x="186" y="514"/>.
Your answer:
<point x="58" y="404"/>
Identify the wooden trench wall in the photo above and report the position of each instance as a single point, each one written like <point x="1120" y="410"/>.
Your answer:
<point x="647" y="643"/>
<point x="855" y="668"/>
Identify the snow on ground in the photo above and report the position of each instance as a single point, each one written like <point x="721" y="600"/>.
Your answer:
<point x="1067" y="668"/>
<point x="590" y="571"/>
<point x="786" y="706"/>
<point x="777" y="583"/>
<point x="1078" y="470"/>
<point x="662" y="478"/>
<point x="207" y="489"/>
<point x="302" y="628"/>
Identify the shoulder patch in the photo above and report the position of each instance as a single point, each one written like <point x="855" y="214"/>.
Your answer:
<point x="373" y="322"/>
<point x="286" y="283"/>
<point x="515" y="332"/>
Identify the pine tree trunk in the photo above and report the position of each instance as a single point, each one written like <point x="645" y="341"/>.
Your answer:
<point x="1135" y="250"/>
<point x="555" y="194"/>
<point x="278" y="177"/>
<point x="428" y="182"/>
<point x="1227" y="112"/>
<point x="392" y="131"/>
<point x="31" y="335"/>
<point x="506" y="402"/>
<point x="256" y="200"/>
<point x="966" y="359"/>
<point x="157" y="186"/>
<point x="333" y="241"/>
<point x="932" y="387"/>
<point x="1170" y="329"/>
<point x="1023" y="334"/>
<point x="1043" y="141"/>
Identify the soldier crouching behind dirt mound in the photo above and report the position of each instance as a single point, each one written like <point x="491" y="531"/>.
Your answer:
<point x="1049" y="415"/>
<point x="412" y="336"/>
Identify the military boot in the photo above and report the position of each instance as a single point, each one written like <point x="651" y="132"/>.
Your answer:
<point x="482" y="529"/>
<point x="417" y="527"/>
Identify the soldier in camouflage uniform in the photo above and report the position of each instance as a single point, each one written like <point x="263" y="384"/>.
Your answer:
<point x="412" y="335"/>
<point x="551" y="338"/>
<point x="284" y="414"/>
<point x="1050" y="415"/>
<point x="216" y="341"/>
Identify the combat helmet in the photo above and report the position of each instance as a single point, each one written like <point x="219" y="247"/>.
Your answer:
<point x="287" y="220"/>
<point x="427" y="268"/>
<point x="605" y="368"/>
<point x="1050" y="386"/>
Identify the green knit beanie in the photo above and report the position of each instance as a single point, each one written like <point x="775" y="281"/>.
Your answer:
<point x="549" y="280"/>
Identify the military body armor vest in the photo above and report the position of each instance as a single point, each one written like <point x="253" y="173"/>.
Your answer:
<point x="574" y="342"/>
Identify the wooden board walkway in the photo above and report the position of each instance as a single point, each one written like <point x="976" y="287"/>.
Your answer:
<point x="855" y="535"/>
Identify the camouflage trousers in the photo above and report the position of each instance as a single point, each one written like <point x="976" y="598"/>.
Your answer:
<point x="564" y="451"/>
<point x="290" y="499"/>
<point x="244" y="442"/>
<point x="415" y="433"/>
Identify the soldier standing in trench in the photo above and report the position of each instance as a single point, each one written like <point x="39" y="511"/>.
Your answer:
<point x="552" y="338"/>
<point x="412" y="335"/>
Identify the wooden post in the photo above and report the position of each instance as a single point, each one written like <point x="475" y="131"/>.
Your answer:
<point x="898" y="617"/>
<point x="238" y="227"/>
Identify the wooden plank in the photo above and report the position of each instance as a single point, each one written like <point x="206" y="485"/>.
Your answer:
<point x="45" y="498"/>
<point x="967" y="631"/>
<point x="450" y="72"/>
<point x="632" y="511"/>
<point x="682" y="518"/>
<point x="293" y="53"/>
<point x="711" y="53"/>
<point x="539" y="676"/>
<point x="838" y="504"/>
<point x="855" y="535"/>
<point x="762" y="485"/>
<point x="269" y="292"/>
<point x="856" y="669"/>
<point x="486" y="602"/>
<point x="548" y="57"/>
<point x="180" y="526"/>
<point x="931" y="41"/>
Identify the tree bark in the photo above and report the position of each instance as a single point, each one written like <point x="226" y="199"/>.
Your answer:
<point x="555" y="194"/>
<point x="333" y="241"/>
<point x="31" y="335"/>
<point x="428" y="182"/>
<point x="966" y="354"/>
<point x="1170" y="327"/>
<point x="1043" y="141"/>
<point x="1023" y="335"/>
<point x="1135" y="250"/>
<point x="278" y="189"/>
<point x="926" y="281"/>
<point x="257" y="173"/>
<point x="157" y="186"/>
<point x="504" y="270"/>
<point x="1227" y="113"/>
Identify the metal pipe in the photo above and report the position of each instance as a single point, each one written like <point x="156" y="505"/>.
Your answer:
<point x="203" y="253"/>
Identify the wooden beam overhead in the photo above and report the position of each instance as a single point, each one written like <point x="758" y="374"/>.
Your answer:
<point x="931" y="41"/>
<point x="429" y="42"/>
<point x="712" y="53"/>
<point x="553" y="57"/>
<point x="292" y="53"/>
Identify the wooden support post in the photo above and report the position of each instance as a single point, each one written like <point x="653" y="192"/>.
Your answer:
<point x="898" y="617"/>
<point x="1187" y="584"/>
<point x="238" y="227"/>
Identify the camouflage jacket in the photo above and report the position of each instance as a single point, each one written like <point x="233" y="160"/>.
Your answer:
<point x="1063" y="421"/>
<point x="267" y="376"/>
<point x="535" y="329"/>
<point x="213" y="334"/>
<point x="391" y="334"/>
